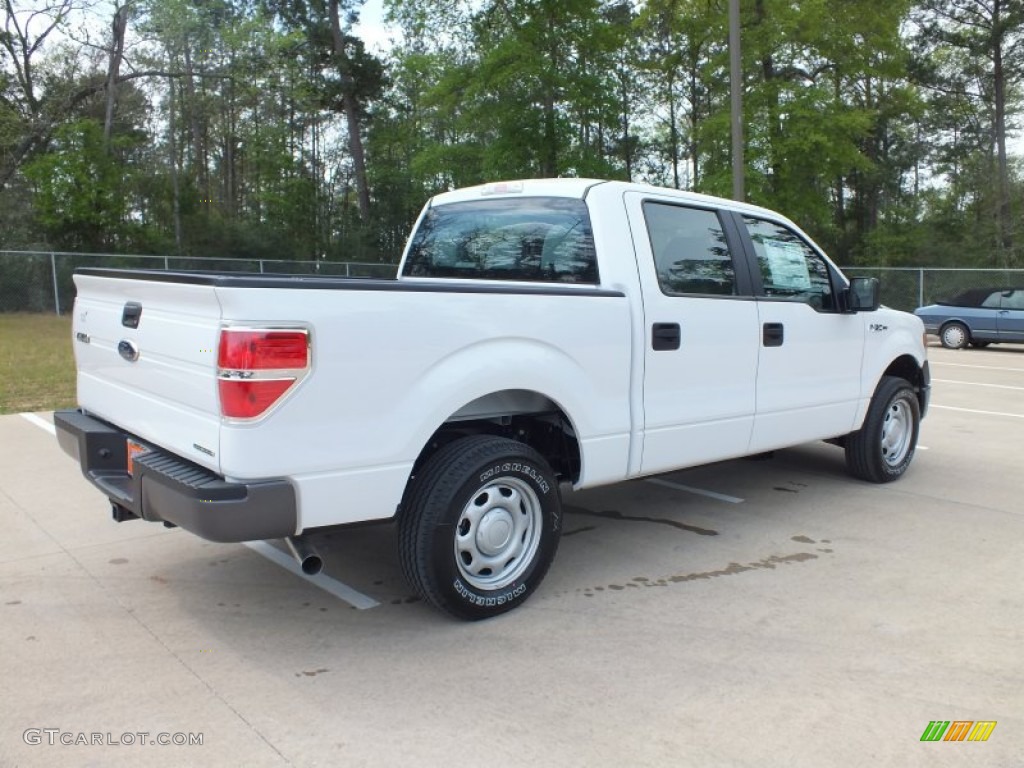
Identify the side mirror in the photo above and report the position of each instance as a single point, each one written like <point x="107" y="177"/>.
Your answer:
<point x="862" y="295"/>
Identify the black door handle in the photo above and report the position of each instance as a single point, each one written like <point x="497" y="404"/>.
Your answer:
<point x="665" y="336"/>
<point x="131" y="314"/>
<point x="773" y="334"/>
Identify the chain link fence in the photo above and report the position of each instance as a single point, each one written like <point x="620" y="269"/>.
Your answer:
<point x="907" y="288"/>
<point x="37" y="281"/>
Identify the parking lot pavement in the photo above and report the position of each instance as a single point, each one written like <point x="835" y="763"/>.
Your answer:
<point x="768" y="612"/>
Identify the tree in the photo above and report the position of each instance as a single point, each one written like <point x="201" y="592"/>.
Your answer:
<point x="118" y="29"/>
<point x="262" y="128"/>
<point x="35" y="111"/>
<point x="682" y="42"/>
<point x="977" y="53"/>
<point x="358" y="76"/>
<point x="80" y="197"/>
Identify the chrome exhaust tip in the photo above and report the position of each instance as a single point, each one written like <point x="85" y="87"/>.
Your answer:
<point x="308" y="558"/>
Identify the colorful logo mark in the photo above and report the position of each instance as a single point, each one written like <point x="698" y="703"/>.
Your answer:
<point x="958" y="730"/>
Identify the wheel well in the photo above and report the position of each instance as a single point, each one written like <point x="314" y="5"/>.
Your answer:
<point x="522" y="415"/>
<point x="907" y="368"/>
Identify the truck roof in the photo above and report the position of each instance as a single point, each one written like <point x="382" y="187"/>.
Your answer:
<point x="579" y="188"/>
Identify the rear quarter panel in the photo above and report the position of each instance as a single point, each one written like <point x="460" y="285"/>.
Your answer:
<point x="389" y="367"/>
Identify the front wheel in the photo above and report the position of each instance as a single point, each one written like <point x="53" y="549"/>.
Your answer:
<point x="882" y="449"/>
<point x="479" y="526"/>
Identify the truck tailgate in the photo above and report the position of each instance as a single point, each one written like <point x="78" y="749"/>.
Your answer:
<point x="157" y="380"/>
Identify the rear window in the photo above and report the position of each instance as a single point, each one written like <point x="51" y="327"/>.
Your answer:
<point x="537" y="239"/>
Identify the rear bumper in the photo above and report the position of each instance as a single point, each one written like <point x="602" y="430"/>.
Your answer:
<point x="166" y="488"/>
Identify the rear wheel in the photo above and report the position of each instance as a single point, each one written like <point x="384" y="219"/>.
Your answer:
<point x="954" y="336"/>
<point x="882" y="449"/>
<point x="479" y="526"/>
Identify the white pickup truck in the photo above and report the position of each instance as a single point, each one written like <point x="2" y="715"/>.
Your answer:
<point x="537" y="333"/>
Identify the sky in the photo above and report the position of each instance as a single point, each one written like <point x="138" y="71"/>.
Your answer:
<point x="371" y="27"/>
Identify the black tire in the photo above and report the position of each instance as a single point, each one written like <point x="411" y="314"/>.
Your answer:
<point x="882" y="449"/>
<point x="479" y="526"/>
<point x="954" y="335"/>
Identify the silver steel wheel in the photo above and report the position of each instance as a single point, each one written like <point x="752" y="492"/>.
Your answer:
<point x="881" y="450"/>
<point x="954" y="336"/>
<point x="897" y="432"/>
<point x="498" y="533"/>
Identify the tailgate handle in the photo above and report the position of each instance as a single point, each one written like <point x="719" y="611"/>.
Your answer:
<point x="131" y="314"/>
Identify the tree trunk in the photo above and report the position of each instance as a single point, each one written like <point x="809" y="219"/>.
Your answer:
<point x="198" y="150"/>
<point x="673" y="133"/>
<point x="871" y="146"/>
<point x="1002" y="165"/>
<point x="694" y="119"/>
<point x="118" y="28"/>
<point x="229" y="205"/>
<point x="350" y="105"/>
<point x="175" y="184"/>
<point x="774" y="122"/>
<point x="627" y="154"/>
<point x="840" y="188"/>
<point x="549" y="152"/>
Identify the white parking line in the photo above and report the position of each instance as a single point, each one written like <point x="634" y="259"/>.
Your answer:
<point x="326" y="583"/>
<point x="982" y="367"/>
<point x="698" y="491"/>
<point x="984" y="413"/>
<point x="979" y="384"/>
<point x="41" y="423"/>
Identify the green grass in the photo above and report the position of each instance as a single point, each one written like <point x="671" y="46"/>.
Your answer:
<point x="37" y="366"/>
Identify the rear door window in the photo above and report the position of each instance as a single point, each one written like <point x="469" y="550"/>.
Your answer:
<point x="691" y="254"/>
<point x="535" y="239"/>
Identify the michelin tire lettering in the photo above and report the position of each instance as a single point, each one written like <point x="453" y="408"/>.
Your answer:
<point x="488" y="602"/>
<point x="517" y="468"/>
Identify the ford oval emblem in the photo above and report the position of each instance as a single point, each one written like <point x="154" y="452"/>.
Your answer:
<point x="128" y="351"/>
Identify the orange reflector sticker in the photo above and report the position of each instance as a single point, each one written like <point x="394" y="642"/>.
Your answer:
<point x="134" y="449"/>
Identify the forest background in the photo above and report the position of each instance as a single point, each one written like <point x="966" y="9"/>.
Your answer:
<point x="268" y="128"/>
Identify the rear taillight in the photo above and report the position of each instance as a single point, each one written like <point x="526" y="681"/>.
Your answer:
<point x="256" y="368"/>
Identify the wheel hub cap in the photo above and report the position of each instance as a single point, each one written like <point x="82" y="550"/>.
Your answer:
<point x="498" y="533"/>
<point x="897" y="433"/>
<point x="494" y="531"/>
<point x="955" y="336"/>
